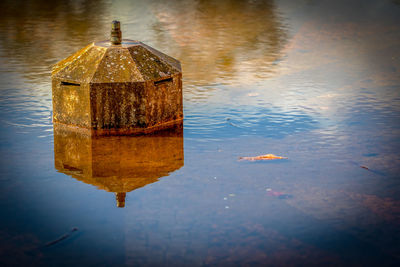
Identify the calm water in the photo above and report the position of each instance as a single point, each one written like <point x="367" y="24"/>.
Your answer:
<point x="315" y="81"/>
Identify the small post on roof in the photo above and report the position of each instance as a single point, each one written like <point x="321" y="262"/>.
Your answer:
<point x="116" y="35"/>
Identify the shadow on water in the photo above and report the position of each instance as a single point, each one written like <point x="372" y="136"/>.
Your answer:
<point x="118" y="164"/>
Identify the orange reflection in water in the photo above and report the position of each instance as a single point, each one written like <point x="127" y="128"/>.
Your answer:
<point x="118" y="164"/>
<point x="227" y="41"/>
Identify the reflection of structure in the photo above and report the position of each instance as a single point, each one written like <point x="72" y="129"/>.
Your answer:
<point x="118" y="164"/>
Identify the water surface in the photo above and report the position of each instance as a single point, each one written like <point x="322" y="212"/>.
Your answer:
<point x="315" y="81"/>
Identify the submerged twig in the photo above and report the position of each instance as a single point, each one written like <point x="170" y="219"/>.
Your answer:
<point x="232" y="124"/>
<point x="61" y="238"/>
<point x="368" y="168"/>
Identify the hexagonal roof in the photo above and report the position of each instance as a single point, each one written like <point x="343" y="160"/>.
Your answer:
<point x="103" y="62"/>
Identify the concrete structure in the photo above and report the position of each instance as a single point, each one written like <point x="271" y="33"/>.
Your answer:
<point x="117" y="87"/>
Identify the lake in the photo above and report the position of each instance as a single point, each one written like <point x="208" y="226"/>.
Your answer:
<point x="315" y="81"/>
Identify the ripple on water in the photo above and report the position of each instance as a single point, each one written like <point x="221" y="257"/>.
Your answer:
<point x="238" y="121"/>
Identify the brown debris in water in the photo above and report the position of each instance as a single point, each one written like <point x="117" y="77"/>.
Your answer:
<point x="262" y="157"/>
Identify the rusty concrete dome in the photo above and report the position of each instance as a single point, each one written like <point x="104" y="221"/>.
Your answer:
<point x="103" y="62"/>
<point x="117" y="87"/>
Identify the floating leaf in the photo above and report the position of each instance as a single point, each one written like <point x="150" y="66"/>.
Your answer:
<point x="262" y="157"/>
<point x="279" y="195"/>
<point x="253" y="94"/>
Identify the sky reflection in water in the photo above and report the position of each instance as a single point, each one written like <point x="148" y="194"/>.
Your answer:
<point x="316" y="81"/>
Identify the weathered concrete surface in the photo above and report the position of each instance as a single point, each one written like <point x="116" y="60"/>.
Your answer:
<point x="118" y="164"/>
<point x="107" y="89"/>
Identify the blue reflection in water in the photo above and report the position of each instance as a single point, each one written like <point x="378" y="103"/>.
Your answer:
<point x="206" y="123"/>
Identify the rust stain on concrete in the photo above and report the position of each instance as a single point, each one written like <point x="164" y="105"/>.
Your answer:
<point x="108" y="89"/>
